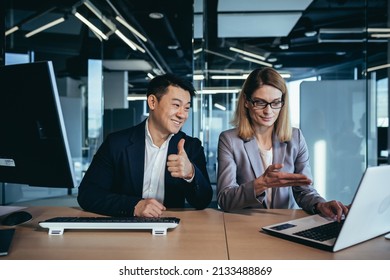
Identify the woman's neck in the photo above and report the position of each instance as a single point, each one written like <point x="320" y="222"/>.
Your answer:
<point x="264" y="138"/>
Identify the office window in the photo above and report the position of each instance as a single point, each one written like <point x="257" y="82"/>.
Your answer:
<point x="16" y="58"/>
<point x="383" y="103"/>
<point x="383" y="120"/>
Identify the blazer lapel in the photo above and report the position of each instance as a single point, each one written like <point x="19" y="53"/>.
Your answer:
<point x="279" y="152"/>
<point x="136" y="156"/>
<point x="172" y="147"/>
<point x="254" y="157"/>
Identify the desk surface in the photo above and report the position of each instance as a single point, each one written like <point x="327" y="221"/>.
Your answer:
<point x="200" y="235"/>
<point x="246" y="241"/>
<point x="204" y="235"/>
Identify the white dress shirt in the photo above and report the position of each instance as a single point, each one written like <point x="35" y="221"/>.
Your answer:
<point x="266" y="158"/>
<point x="154" y="169"/>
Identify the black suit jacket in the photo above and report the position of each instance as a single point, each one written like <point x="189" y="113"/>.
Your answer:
<point x="113" y="182"/>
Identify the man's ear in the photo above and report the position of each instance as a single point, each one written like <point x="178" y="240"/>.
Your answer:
<point x="152" y="101"/>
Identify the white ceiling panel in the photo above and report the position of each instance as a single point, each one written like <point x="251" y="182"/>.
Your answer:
<point x="256" y="24"/>
<point x="262" y="5"/>
<point x="127" y="65"/>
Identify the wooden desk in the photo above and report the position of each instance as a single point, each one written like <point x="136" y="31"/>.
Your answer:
<point x="200" y="235"/>
<point x="246" y="241"/>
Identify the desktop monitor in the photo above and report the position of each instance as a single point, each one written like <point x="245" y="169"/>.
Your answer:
<point x="34" y="146"/>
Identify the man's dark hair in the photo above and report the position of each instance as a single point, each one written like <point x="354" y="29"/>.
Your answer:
<point x="159" y="85"/>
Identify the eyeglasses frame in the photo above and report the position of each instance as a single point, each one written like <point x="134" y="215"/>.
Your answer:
<point x="266" y="104"/>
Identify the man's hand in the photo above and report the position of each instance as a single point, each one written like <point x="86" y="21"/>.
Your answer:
<point x="179" y="165"/>
<point x="148" y="208"/>
<point x="272" y="177"/>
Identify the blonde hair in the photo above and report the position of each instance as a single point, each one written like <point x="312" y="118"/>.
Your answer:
<point x="256" y="79"/>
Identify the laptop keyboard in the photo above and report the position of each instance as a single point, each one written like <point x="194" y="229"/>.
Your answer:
<point x="323" y="232"/>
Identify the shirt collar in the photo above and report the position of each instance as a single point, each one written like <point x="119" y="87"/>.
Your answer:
<point x="150" y="139"/>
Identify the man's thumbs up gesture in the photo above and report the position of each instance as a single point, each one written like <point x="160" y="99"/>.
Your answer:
<point x="179" y="165"/>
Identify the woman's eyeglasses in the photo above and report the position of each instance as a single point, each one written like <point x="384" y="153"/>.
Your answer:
<point x="261" y="104"/>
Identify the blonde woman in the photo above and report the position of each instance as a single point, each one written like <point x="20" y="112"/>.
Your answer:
<point x="263" y="162"/>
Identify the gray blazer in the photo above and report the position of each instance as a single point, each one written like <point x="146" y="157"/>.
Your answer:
<point x="239" y="164"/>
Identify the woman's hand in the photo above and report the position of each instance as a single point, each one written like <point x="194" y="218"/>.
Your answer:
<point x="272" y="178"/>
<point x="333" y="209"/>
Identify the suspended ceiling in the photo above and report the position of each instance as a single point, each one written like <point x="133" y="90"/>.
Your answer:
<point x="260" y="27"/>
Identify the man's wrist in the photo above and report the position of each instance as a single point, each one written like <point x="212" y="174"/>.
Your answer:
<point x="191" y="175"/>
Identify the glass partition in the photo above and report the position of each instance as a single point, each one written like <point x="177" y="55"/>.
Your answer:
<point x="340" y="108"/>
<point x="333" y="121"/>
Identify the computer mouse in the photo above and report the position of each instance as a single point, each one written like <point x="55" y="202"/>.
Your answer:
<point x="16" y="218"/>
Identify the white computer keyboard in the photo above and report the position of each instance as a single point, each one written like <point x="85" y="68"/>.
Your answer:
<point x="159" y="226"/>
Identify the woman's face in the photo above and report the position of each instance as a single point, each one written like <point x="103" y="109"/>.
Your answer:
<point x="264" y="117"/>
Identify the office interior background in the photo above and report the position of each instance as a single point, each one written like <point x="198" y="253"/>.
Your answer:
<point x="334" y="55"/>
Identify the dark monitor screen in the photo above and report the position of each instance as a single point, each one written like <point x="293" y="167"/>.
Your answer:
<point x="34" y="146"/>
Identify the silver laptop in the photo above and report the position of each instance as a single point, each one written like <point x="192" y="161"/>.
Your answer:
<point x="368" y="217"/>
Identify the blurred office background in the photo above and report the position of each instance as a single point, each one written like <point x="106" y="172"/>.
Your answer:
<point x="334" y="55"/>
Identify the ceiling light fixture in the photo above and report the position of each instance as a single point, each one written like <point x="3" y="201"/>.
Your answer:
<point x="219" y="106"/>
<point x="218" y="90"/>
<point x="247" y="53"/>
<point x="136" y="97"/>
<point x="132" y="29"/>
<point x="284" y="46"/>
<point x="378" y="30"/>
<point x="27" y="20"/>
<point x="11" y="30"/>
<point x="380" y="35"/>
<point x="284" y="43"/>
<point x="198" y="77"/>
<point x="44" y="27"/>
<point x="198" y="50"/>
<point x="129" y="42"/>
<point x="311" y="33"/>
<point x="138" y="47"/>
<point x="256" y="61"/>
<point x="156" y="15"/>
<point x="96" y="30"/>
<point x="308" y="26"/>
<point x="272" y="59"/>
<point x="125" y="39"/>
<point x="173" y="47"/>
<point x="99" y="15"/>
<point x="378" y="67"/>
<point x="229" y="77"/>
<point x="150" y="76"/>
<point x="285" y="75"/>
<point x="113" y="27"/>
